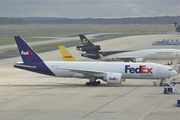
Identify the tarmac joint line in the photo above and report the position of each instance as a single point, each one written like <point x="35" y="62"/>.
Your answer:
<point x="147" y="112"/>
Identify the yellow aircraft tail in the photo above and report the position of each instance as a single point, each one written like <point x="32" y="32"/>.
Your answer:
<point x="67" y="56"/>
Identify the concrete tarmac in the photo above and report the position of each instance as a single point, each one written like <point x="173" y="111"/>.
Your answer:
<point x="30" y="96"/>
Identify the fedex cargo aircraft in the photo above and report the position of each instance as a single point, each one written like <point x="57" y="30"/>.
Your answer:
<point x="111" y="72"/>
<point x="92" y="51"/>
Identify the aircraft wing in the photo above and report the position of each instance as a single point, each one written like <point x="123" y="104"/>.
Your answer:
<point x="86" y="72"/>
<point x="87" y="54"/>
<point x="126" y="57"/>
<point x="123" y="58"/>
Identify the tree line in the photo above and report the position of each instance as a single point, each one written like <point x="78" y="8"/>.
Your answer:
<point x="6" y="20"/>
<point x="51" y="20"/>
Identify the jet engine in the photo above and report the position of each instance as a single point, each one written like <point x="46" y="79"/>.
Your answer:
<point x="90" y="48"/>
<point x="113" y="78"/>
<point x="137" y="60"/>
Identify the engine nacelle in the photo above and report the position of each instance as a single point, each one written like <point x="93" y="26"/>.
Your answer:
<point x="137" y="60"/>
<point x="113" y="78"/>
<point x="90" y="48"/>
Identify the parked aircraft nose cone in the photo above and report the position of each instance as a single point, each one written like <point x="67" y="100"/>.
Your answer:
<point x="172" y="73"/>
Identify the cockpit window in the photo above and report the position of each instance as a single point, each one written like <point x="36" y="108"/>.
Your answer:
<point x="170" y="69"/>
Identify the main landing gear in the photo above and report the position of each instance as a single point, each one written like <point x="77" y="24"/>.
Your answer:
<point x="92" y="82"/>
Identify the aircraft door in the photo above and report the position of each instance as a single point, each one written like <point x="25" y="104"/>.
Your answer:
<point x="162" y="73"/>
<point x="177" y="54"/>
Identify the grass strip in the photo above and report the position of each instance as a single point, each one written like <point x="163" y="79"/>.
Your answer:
<point x="51" y="46"/>
<point x="10" y="40"/>
<point x="73" y="43"/>
<point x="125" y="35"/>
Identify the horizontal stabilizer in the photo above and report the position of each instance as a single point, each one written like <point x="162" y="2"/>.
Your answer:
<point x="87" y="54"/>
<point x="25" y="66"/>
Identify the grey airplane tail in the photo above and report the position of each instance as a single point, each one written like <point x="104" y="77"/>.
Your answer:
<point x="88" y="46"/>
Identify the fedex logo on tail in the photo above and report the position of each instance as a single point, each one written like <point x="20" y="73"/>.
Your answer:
<point x="26" y="53"/>
<point x="113" y="78"/>
<point x="141" y="69"/>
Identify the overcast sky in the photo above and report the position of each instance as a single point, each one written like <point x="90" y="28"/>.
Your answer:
<point x="89" y="8"/>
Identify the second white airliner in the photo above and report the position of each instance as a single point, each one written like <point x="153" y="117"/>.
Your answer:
<point x="92" y="51"/>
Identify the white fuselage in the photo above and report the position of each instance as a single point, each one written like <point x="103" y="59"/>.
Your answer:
<point x="154" y="54"/>
<point x="99" y="69"/>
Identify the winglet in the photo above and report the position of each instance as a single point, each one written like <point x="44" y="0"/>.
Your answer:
<point x="101" y="56"/>
<point x="67" y="56"/>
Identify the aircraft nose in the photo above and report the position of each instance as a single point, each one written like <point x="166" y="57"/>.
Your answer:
<point x="172" y="73"/>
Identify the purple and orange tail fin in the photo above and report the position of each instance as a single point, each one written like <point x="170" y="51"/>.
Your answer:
<point x="27" y="53"/>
